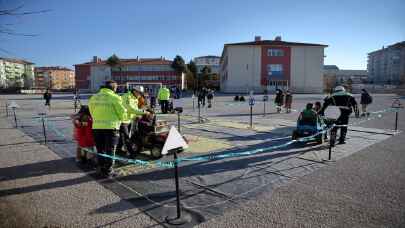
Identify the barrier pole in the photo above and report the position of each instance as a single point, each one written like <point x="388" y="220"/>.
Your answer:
<point x="330" y="151"/>
<point x="44" y="129"/>
<point x="6" y="109"/>
<point x="199" y="112"/>
<point x="193" y="103"/>
<point x="15" y="118"/>
<point x="396" y="120"/>
<point x="264" y="108"/>
<point x="332" y="142"/>
<point x="178" y="121"/>
<point x="178" y="220"/>
<point x="251" y="116"/>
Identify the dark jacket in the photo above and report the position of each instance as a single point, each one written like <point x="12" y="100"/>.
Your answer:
<point x="47" y="96"/>
<point x="366" y="98"/>
<point x="279" y="97"/>
<point x="343" y="100"/>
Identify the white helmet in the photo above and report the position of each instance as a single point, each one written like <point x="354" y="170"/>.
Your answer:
<point x="138" y="88"/>
<point x="339" y="89"/>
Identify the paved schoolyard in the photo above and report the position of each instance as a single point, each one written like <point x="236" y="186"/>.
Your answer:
<point x="211" y="190"/>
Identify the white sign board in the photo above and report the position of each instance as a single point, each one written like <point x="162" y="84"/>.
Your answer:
<point x="13" y="105"/>
<point x="174" y="141"/>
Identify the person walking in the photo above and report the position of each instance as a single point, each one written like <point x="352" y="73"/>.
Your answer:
<point x="279" y="100"/>
<point x="163" y="96"/>
<point x="108" y="112"/>
<point x="201" y="96"/>
<point x="288" y="101"/>
<point x="365" y="100"/>
<point x="346" y="103"/>
<point x="210" y="96"/>
<point x="130" y="101"/>
<point x="48" y="97"/>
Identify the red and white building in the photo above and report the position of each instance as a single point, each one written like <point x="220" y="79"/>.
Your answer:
<point x="91" y="75"/>
<point x="269" y="64"/>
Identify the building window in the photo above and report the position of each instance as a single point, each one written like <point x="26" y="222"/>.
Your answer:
<point x="275" y="70"/>
<point x="275" y="52"/>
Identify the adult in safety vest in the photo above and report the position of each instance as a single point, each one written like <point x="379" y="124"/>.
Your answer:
<point x="108" y="112"/>
<point x="130" y="102"/>
<point x="346" y="104"/>
<point x="163" y="96"/>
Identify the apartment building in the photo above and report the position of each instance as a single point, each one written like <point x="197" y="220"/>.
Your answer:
<point x="54" y="77"/>
<point x="16" y="73"/>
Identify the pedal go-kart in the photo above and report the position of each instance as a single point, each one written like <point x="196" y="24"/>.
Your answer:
<point x="307" y="128"/>
<point x="150" y="135"/>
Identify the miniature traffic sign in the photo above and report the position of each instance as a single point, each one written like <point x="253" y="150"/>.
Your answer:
<point x="396" y="103"/>
<point x="251" y="101"/>
<point x="174" y="140"/>
<point x="14" y="105"/>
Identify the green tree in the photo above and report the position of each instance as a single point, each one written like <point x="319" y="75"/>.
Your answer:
<point x="113" y="61"/>
<point x="179" y="65"/>
<point x="192" y="75"/>
<point x="205" y="75"/>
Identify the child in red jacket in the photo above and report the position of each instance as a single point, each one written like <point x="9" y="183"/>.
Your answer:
<point x="83" y="134"/>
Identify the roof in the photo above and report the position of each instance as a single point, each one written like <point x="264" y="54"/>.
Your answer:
<point x="137" y="61"/>
<point x="21" y="61"/>
<point x="398" y="45"/>
<point x="208" y="56"/>
<point x="52" y="68"/>
<point x="330" y="67"/>
<point x="275" y="42"/>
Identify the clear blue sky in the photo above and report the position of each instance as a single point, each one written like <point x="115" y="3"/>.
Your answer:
<point x="76" y="30"/>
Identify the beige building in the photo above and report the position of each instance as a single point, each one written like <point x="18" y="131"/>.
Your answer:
<point x="269" y="64"/>
<point x="16" y="73"/>
<point x="54" y="78"/>
<point x="150" y="72"/>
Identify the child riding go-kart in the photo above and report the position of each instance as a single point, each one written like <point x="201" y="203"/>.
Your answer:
<point x="150" y="135"/>
<point x="310" y="123"/>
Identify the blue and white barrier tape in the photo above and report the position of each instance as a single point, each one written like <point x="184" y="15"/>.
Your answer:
<point x="170" y="164"/>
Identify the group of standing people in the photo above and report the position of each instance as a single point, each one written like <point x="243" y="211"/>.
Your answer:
<point x="106" y="123"/>
<point x="204" y="94"/>
<point x="283" y="99"/>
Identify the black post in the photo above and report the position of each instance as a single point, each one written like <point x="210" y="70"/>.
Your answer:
<point x="75" y="104"/>
<point x="6" y="109"/>
<point x="251" y="116"/>
<point x="332" y="142"/>
<point x="15" y="118"/>
<point x="199" y="112"/>
<point x="176" y="177"/>
<point x="264" y="108"/>
<point x="193" y="103"/>
<point x="178" y="121"/>
<point x="178" y="220"/>
<point x="44" y="129"/>
<point x="396" y="120"/>
<point x="330" y="151"/>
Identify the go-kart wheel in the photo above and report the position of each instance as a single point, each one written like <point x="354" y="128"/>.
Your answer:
<point x="156" y="152"/>
<point x="294" y="135"/>
<point x="136" y="147"/>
